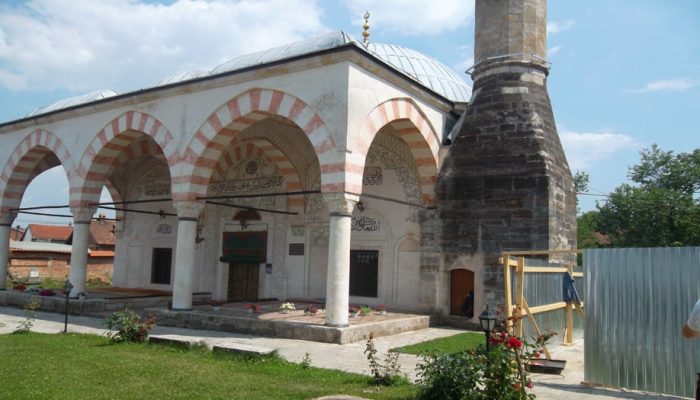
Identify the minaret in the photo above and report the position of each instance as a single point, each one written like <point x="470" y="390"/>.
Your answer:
<point x="505" y="183"/>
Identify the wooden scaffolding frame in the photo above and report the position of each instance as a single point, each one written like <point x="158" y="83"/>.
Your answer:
<point x="515" y="262"/>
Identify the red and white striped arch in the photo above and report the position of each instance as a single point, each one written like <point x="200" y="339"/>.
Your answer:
<point x="27" y="161"/>
<point x="415" y="129"/>
<point x="202" y="153"/>
<point x="262" y="148"/>
<point x="111" y="145"/>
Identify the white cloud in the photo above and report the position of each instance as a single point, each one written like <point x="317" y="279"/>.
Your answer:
<point x="410" y="17"/>
<point x="584" y="149"/>
<point x="127" y="44"/>
<point x="556" y="26"/>
<point x="554" y="50"/>
<point x="669" y="85"/>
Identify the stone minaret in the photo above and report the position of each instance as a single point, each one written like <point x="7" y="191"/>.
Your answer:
<point x="505" y="183"/>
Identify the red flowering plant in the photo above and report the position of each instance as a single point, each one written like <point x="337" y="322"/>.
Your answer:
<point x="495" y="373"/>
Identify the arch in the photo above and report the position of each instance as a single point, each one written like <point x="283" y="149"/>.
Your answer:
<point x="415" y="129"/>
<point x="202" y="153"/>
<point x="25" y="163"/>
<point x="110" y="145"/>
<point x="272" y="155"/>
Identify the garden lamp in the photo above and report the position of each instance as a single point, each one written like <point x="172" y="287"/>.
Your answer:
<point x="68" y="287"/>
<point x="488" y="322"/>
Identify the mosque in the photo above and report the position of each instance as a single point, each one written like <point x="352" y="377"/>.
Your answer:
<point x="330" y="168"/>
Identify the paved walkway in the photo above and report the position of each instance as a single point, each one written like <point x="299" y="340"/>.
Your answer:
<point x="348" y="357"/>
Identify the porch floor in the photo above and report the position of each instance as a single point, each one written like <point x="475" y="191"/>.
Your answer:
<point x="270" y="322"/>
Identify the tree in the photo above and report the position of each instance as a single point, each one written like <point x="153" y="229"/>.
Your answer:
<point x="662" y="209"/>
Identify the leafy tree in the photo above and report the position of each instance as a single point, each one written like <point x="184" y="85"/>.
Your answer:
<point x="662" y="209"/>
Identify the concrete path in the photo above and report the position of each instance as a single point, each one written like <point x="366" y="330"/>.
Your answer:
<point x="349" y="357"/>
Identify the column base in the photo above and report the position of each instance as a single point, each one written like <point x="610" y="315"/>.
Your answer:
<point x="337" y="325"/>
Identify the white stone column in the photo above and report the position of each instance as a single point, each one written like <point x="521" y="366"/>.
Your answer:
<point x="79" y="250"/>
<point x="188" y="215"/>
<point x="5" y="228"/>
<point x="338" y="279"/>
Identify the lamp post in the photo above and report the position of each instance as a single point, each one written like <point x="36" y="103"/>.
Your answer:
<point x="67" y="287"/>
<point x="488" y="322"/>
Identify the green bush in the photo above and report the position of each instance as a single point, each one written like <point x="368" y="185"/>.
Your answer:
<point x="127" y="326"/>
<point x="481" y="374"/>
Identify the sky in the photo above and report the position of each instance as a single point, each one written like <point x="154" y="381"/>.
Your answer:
<point x="625" y="74"/>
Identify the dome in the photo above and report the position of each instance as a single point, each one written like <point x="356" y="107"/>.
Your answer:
<point x="421" y="68"/>
<point x="424" y="69"/>
<point x="320" y="42"/>
<point x="73" y="101"/>
<point x="183" y="76"/>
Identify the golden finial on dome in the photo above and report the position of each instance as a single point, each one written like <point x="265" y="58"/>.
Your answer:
<point x="365" y="32"/>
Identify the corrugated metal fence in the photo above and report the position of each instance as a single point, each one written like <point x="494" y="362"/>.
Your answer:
<point x="637" y="300"/>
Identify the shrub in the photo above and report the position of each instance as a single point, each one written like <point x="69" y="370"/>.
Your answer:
<point x="127" y="326"/>
<point x="386" y="374"/>
<point x="365" y="310"/>
<point x="47" y="292"/>
<point x="480" y="374"/>
<point x="26" y="325"/>
<point x="20" y="287"/>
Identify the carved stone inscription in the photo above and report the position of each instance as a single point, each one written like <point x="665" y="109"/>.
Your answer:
<point x="154" y="183"/>
<point x="246" y="185"/>
<point x="364" y="224"/>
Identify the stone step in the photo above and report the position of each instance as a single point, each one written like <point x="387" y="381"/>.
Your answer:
<point x="244" y="349"/>
<point x="173" y="340"/>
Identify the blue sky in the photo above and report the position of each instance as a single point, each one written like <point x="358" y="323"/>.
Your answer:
<point x="625" y="73"/>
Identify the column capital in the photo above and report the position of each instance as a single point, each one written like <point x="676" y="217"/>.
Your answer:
<point x="82" y="215"/>
<point x="188" y="209"/>
<point x="7" y="217"/>
<point x="340" y="203"/>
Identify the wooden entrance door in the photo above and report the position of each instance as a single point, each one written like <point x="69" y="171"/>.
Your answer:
<point x="243" y="279"/>
<point x="461" y="287"/>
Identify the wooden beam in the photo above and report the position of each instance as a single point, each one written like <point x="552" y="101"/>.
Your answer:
<point x="528" y="312"/>
<point x="543" y="252"/>
<point x="577" y="274"/>
<point x="509" y="297"/>
<point x="520" y="293"/>
<point x="545" y="269"/>
<point x="548" y="307"/>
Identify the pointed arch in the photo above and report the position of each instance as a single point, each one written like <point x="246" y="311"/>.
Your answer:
<point x="415" y="129"/>
<point x="200" y="157"/>
<point x="111" y="144"/>
<point x="29" y="159"/>
<point x="271" y="154"/>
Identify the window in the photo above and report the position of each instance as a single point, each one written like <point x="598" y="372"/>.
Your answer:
<point x="160" y="265"/>
<point x="364" y="272"/>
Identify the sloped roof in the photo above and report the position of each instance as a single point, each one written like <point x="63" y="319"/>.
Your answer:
<point x="103" y="232"/>
<point x="417" y="66"/>
<point x="50" y="232"/>
<point x="41" y="247"/>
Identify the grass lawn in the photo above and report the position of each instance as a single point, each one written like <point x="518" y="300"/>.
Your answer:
<point x="450" y="344"/>
<point x="75" y="366"/>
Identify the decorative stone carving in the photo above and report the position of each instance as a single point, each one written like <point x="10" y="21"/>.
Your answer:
<point x="365" y="224"/>
<point x="188" y="209"/>
<point x="155" y="183"/>
<point x="246" y="185"/>
<point x="164" y="229"/>
<point x="82" y="214"/>
<point x="298" y="230"/>
<point x="279" y="242"/>
<point x="372" y="176"/>
<point x="340" y="202"/>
